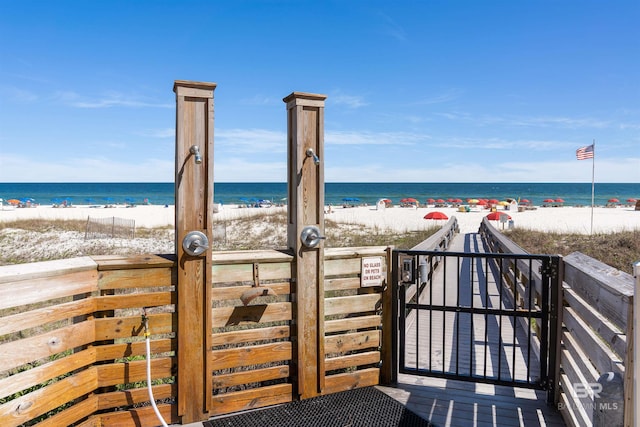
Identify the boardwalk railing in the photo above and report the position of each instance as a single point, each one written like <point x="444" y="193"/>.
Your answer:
<point x="72" y="338"/>
<point x="597" y="321"/>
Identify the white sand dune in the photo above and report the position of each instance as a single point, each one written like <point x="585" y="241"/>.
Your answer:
<point x="556" y="219"/>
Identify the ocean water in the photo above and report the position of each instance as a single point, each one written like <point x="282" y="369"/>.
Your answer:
<point x="366" y="193"/>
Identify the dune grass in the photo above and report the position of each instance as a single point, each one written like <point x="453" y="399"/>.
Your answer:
<point x="619" y="250"/>
<point x="24" y="241"/>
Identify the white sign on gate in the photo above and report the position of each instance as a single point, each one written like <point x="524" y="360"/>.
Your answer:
<point x="371" y="272"/>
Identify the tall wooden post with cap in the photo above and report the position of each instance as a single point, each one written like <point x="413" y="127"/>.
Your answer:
<point x="193" y="222"/>
<point x="305" y="231"/>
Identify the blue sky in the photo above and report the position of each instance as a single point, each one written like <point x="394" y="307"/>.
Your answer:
<point x="417" y="91"/>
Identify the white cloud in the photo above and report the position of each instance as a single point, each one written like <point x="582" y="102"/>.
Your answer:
<point x="372" y="138"/>
<point x="533" y="121"/>
<point x="109" y="100"/>
<point x="240" y="169"/>
<point x="441" y="98"/>
<point x="350" y="101"/>
<point x="83" y="169"/>
<point x="251" y="141"/>
<point x="158" y="133"/>
<point x="18" y="95"/>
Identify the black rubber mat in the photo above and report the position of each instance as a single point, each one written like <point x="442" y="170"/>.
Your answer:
<point x="366" y="407"/>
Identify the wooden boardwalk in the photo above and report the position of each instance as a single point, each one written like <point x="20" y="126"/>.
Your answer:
<point x="466" y="404"/>
<point x="460" y="343"/>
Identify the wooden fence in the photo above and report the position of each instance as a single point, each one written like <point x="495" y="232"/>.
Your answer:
<point x="104" y="228"/>
<point x="72" y="340"/>
<point x="254" y="326"/>
<point x="597" y="320"/>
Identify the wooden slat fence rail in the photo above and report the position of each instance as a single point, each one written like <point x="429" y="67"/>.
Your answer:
<point x="72" y="340"/>
<point x="353" y="319"/>
<point x="72" y="346"/>
<point x="597" y="326"/>
<point x="598" y="320"/>
<point x="252" y="329"/>
<point x="254" y="326"/>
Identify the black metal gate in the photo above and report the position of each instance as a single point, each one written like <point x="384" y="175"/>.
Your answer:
<point x="479" y="317"/>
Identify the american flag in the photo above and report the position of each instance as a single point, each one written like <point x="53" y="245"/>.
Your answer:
<point x="584" y="153"/>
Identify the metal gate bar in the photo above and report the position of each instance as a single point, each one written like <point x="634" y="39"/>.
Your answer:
<point x="491" y="315"/>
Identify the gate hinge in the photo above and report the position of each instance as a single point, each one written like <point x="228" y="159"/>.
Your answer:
<point x="549" y="269"/>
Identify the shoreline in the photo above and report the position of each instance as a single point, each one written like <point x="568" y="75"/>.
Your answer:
<point x="550" y="219"/>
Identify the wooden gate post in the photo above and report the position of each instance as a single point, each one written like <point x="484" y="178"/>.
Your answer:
<point x="194" y="207"/>
<point x="305" y="147"/>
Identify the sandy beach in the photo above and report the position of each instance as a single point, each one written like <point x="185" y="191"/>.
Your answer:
<point x="555" y="219"/>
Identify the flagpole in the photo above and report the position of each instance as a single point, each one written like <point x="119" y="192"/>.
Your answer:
<point x="593" y="180"/>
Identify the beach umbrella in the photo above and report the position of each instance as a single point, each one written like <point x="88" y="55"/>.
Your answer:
<point x="472" y="201"/>
<point x="14" y="202"/>
<point x="559" y="200"/>
<point x="524" y="201"/>
<point x="503" y="203"/>
<point x="481" y="202"/>
<point x="436" y="215"/>
<point x="548" y="200"/>
<point x="431" y="201"/>
<point x="494" y="201"/>
<point x="457" y="200"/>
<point x="495" y="216"/>
<point x="614" y="201"/>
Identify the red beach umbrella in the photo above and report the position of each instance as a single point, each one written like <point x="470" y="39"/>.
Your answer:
<point x="494" y="201"/>
<point x="431" y="200"/>
<point x="482" y="202"/>
<point x="559" y="200"/>
<point x="436" y="215"/>
<point x="548" y="200"/>
<point x="495" y="216"/>
<point x="440" y="201"/>
<point x="614" y="201"/>
<point x="524" y="201"/>
<point x="631" y="200"/>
